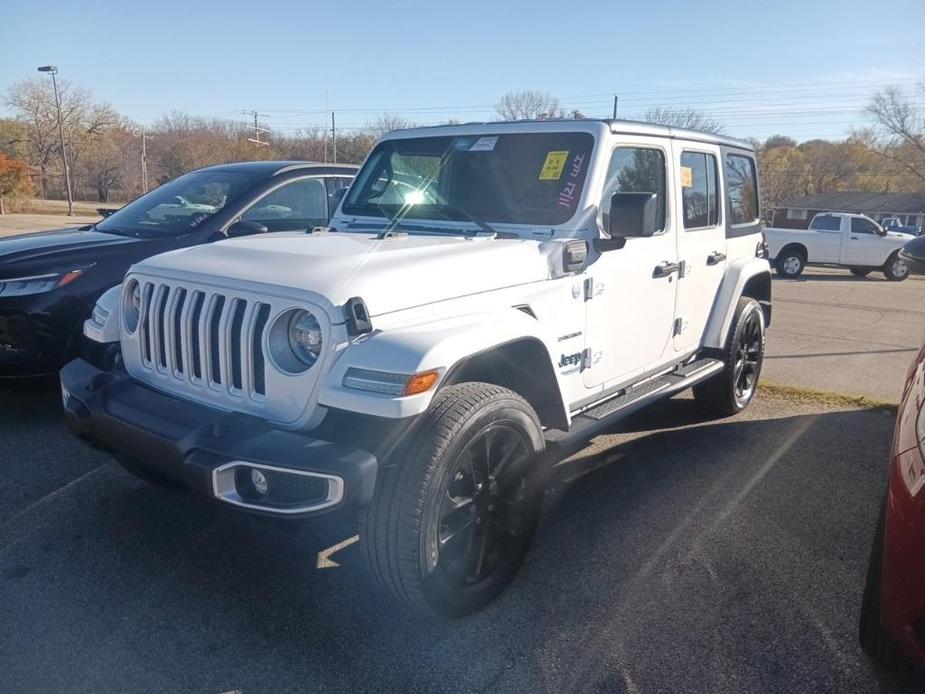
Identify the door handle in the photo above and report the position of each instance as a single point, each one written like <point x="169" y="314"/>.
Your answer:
<point x="664" y="269"/>
<point x="853" y="238"/>
<point x="715" y="258"/>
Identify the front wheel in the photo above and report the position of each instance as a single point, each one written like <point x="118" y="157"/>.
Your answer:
<point x="730" y="391"/>
<point x="451" y="522"/>
<point x="895" y="269"/>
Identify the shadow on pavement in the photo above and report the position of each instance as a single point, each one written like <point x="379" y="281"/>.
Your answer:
<point x="726" y="556"/>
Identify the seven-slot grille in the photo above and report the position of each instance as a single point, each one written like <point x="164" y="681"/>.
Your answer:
<point x="204" y="338"/>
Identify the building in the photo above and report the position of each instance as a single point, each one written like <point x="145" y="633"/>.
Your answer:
<point x="796" y="213"/>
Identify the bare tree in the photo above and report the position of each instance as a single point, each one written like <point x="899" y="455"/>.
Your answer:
<point x="387" y="122"/>
<point x="678" y="117"/>
<point x="899" y="130"/>
<point x="527" y="105"/>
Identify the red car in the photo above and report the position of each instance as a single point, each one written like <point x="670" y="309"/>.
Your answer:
<point x="893" y="610"/>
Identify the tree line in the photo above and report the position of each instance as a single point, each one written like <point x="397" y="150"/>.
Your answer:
<point x="105" y="148"/>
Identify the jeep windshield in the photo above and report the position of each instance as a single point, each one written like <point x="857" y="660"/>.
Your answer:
<point x="518" y="178"/>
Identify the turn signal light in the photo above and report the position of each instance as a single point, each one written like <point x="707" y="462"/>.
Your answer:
<point x="421" y="383"/>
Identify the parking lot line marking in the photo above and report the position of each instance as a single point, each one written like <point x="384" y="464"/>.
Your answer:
<point x="324" y="556"/>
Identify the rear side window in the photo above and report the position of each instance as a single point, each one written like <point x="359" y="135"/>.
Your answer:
<point x="741" y="189"/>
<point x="699" y="194"/>
<point x="635" y="170"/>
<point x="825" y="222"/>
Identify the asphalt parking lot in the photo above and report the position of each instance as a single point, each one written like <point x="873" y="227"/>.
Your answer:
<point x="711" y="555"/>
<point x="676" y="554"/>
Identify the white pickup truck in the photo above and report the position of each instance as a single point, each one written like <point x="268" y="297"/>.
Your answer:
<point x="847" y="240"/>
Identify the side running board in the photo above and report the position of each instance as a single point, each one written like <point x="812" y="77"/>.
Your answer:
<point x="600" y="417"/>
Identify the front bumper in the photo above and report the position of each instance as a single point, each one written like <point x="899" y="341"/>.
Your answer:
<point x="211" y="452"/>
<point x="37" y="332"/>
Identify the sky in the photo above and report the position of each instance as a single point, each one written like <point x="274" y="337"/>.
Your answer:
<point x="803" y="69"/>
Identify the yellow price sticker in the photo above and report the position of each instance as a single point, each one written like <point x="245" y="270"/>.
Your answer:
<point x="687" y="177"/>
<point x="553" y="166"/>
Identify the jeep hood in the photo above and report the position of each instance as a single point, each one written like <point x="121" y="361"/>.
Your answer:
<point x="389" y="274"/>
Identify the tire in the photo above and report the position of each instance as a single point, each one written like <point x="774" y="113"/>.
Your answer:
<point x="894" y="269"/>
<point x="860" y="271"/>
<point x="731" y="390"/>
<point x="875" y="642"/>
<point x="436" y="540"/>
<point x="790" y="264"/>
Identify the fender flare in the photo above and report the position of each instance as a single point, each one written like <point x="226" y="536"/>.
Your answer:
<point x="441" y="345"/>
<point x="742" y="273"/>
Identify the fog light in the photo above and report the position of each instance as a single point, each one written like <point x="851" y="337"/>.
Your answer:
<point x="259" y="480"/>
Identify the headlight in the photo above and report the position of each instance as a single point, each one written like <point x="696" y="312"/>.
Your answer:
<point x="39" y="284"/>
<point x="131" y="306"/>
<point x="295" y="341"/>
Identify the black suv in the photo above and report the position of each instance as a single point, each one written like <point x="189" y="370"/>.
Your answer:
<point x="49" y="281"/>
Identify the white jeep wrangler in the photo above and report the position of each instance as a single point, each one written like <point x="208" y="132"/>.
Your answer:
<point x="488" y="297"/>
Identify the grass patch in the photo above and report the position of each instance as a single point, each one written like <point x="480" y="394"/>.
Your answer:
<point x="824" y="397"/>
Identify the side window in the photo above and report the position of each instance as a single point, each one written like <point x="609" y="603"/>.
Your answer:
<point x="635" y="170"/>
<point x="862" y="226"/>
<point x="699" y="194"/>
<point x="741" y="189"/>
<point x="295" y="206"/>
<point x="825" y="222"/>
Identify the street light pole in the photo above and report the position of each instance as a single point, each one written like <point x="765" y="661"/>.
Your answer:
<point x="53" y="69"/>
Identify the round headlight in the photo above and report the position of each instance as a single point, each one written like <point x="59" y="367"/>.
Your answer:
<point x="295" y="341"/>
<point x="131" y="306"/>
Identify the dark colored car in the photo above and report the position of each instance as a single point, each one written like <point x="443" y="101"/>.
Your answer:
<point x="49" y="281"/>
<point x="893" y="610"/>
<point x="913" y="254"/>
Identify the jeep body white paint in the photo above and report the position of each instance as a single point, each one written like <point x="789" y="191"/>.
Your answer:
<point x="487" y="297"/>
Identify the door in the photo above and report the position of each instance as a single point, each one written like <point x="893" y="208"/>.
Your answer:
<point x="630" y="291"/>
<point x="701" y="243"/>
<point x="825" y="246"/>
<point x="864" y="245"/>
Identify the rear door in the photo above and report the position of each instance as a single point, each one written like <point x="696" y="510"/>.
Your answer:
<point x="701" y="240"/>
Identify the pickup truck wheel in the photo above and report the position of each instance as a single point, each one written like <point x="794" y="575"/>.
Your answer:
<point x="895" y="269"/>
<point x="451" y="522"/>
<point x="730" y="391"/>
<point x="859" y="271"/>
<point x="790" y="264"/>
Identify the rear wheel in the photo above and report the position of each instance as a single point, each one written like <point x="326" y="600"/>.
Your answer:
<point x="730" y="391"/>
<point x="895" y="269"/>
<point x="450" y="523"/>
<point x="860" y="271"/>
<point x="790" y="263"/>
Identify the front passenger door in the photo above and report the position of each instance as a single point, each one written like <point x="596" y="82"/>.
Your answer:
<point x="864" y="244"/>
<point x="630" y="306"/>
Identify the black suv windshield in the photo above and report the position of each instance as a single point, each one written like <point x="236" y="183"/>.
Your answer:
<point x="179" y="206"/>
<point x="523" y="178"/>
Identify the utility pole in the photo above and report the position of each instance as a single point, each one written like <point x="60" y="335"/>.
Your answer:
<point x="144" y="160"/>
<point x="257" y="129"/>
<point x="53" y="69"/>
<point x="334" y="136"/>
<point x="615" y="100"/>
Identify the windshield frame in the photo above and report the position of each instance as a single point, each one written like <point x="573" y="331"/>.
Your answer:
<point x="350" y="214"/>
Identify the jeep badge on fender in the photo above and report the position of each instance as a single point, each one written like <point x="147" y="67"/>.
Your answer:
<point x="486" y="297"/>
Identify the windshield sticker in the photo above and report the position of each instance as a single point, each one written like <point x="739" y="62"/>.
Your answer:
<point x="569" y="194"/>
<point x="484" y="144"/>
<point x="687" y="177"/>
<point x="553" y="166"/>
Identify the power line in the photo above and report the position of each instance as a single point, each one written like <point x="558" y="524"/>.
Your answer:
<point x="257" y="129"/>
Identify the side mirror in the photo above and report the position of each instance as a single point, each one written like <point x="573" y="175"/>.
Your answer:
<point x="881" y="231"/>
<point x="633" y="214"/>
<point x="243" y="228"/>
